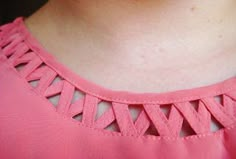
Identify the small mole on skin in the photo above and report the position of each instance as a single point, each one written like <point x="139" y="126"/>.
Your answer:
<point x="193" y="8"/>
<point x="220" y="36"/>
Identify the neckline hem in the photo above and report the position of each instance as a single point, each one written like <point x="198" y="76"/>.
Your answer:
<point x="123" y="96"/>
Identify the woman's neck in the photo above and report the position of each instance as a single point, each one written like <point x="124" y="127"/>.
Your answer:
<point x="171" y="38"/>
<point x="137" y="25"/>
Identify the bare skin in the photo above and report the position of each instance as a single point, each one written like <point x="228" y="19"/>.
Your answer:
<point x="141" y="46"/>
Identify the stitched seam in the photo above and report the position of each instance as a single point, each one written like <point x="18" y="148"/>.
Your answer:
<point x="116" y="134"/>
<point x="143" y="101"/>
<point x="73" y="82"/>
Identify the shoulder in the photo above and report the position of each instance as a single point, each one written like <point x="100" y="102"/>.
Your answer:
<point x="10" y="31"/>
<point x="10" y="37"/>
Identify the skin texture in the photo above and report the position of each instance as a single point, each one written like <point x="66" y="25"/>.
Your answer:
<point x="157" y="46"/>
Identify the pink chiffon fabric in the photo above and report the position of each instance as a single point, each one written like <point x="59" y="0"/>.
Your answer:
<point x="31" y="127"/>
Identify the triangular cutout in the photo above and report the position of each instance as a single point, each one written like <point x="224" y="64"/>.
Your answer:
<point x="219" y="99"/>
<point x="4" y="46"/>
<point x="195" y="104"/>
<point x="186" y="129"/>
<point x="34" y="83"/>
<point x="102" y="107"/>
<point x="113" y="127"/>
<point x="77" y="95"/>
<point x="135" y="110"/>
<point x="54" y="99"/>
<point x="215" y="125"/>
<point x="166" y="108"/>
<point x="78" y="117"/>
<point x="56" y="79"/>
<point x="151" y="131"/>
<point x="20" y="66"/>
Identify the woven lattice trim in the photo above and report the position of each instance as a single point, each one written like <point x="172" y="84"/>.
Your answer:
<point x="179" y="119"/>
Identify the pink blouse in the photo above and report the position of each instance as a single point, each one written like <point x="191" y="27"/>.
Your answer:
<point x="197" y="123"/>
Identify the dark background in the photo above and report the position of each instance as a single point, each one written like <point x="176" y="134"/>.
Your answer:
<point x="10" y="9"/>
